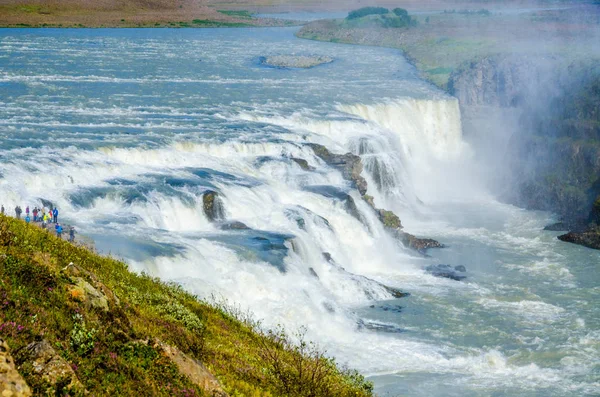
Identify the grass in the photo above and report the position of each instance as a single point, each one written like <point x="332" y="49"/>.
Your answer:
<point x="219" y="24"/>
<point x="111" y="351"/>
<point x="244" y="14"/>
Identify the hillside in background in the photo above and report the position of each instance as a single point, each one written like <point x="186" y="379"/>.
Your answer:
<point x="194" y="13"/>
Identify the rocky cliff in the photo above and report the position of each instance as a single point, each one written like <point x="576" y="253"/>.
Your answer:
<point x="552" y="160"/>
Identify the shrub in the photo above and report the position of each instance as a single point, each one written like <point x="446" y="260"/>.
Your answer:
<point x="401" y="12"/>
<point x="363" y="12"/>
<point x="182" y="314"/>
<point x="308" y="372"/>
<point x="82" y="339"/>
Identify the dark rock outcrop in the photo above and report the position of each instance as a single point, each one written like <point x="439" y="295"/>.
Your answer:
<point x="233" y="225"/>
<point x="389" y="219"/>
<point x="553" y="153"/>
<point x="337" y="194"/>
<point x="351" y="166"/>
<point x="302" y="163"/>
<point x="495" y="81"/>
<point x="418" y="244"/>
<point x="396" y="293"/>
<point x="446" y="271"/>
<point x="589" y="238"/>
<point x="212" y="205"/>
<point x="295" y="61"/>
<point x="348" y="164"/>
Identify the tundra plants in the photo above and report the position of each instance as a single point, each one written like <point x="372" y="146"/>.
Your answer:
<point x="114" y="351"/>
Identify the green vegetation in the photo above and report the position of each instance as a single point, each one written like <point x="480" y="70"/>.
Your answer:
<point x="363" y="12"/>
<point x="374" y="17"/>
<point x="238" y="14"/>
<point x="110" y="325"/>
<point x="218" y="24"/>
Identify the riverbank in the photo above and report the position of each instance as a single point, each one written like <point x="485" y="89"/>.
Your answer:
<point x="443" y="42"/>
<point x="80" y="323"/>
<point x="113" y="14"/>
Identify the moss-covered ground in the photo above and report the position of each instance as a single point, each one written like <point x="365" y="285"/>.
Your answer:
<point x="37" y="301"/>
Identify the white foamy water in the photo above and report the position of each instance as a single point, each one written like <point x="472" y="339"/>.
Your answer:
<point x="126" y="148"/>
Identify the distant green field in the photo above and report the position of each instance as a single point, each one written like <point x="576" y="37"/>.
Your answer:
<point x="237" y="13"/>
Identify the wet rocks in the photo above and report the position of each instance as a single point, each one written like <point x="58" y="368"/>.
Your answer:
<point x="379" y="327"/>
<point x="350" y="165"/>
<point x="589" y="238"/>
<point x="389" y="219"/>
<point x="418" y="244"/>
<point x="47" y="364"/>
<point x="446" y="271"/>
<point x="302" y="163"/>
<point x="388" y="308"/>
<point x="586" y="233"/>
<point x="212" y="205"/>
<point x="11" y="382"/>
<point x="295" y="61"/>
<point x="337" y="194"/>
<point x="233" y="225"/>
<point x="395" y="292"/>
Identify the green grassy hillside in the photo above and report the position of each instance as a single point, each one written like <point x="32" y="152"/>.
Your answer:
<point x="118" y="330"/>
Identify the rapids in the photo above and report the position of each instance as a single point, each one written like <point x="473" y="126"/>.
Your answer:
<point x="125" y="130"/>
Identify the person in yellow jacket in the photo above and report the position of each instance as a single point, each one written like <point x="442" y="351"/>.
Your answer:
<point x="45" y="219"/>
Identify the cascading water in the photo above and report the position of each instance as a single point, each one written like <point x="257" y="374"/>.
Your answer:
<point x="128" y="151"/>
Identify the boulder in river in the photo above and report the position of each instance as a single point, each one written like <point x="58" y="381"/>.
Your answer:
<point x="589" y="238"/>
<point x="418" y="244"/>
<point x="295" y="61"/>
<point x="233" y="225"/>
<point x="212" y="205"/>
<point x="302" y="163"/>
<point x="350" y="165"/>
<point x="446" y="271"/>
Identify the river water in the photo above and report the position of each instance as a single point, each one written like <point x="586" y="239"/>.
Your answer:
<point x="125" y="130"/>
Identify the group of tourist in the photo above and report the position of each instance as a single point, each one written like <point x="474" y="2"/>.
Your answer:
<point x="44" y="218"/>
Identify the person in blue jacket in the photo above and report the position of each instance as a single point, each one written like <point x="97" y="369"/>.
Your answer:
<point x="59" y="230"/>
<point x="27" y="218"/>
<point x="55" y="215"/>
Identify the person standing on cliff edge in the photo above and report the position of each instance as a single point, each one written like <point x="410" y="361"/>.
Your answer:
<point x="55" y="215"/>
